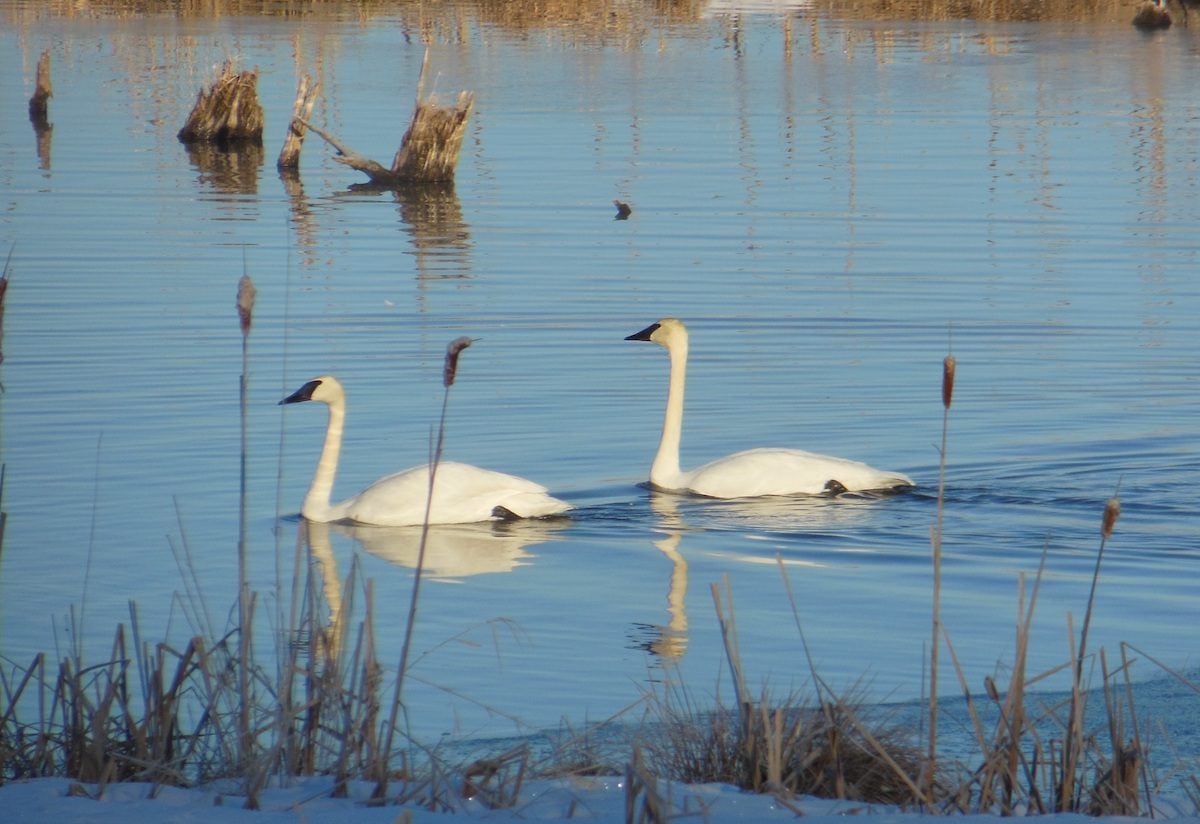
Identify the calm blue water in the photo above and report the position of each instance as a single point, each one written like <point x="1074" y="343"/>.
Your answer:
<point x="832" y="207"/>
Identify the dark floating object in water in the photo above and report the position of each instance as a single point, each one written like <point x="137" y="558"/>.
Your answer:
<point x="3" y="289"/>
<point x="1152" y="14"/>
<point x="39" y="102"/>
<point x="623" y="210"/>
<point x="39" y="109"/>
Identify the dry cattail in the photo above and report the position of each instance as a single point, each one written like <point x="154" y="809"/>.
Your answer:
<point x="948" y="380"/>
<point x="456" y="346"/>
<point x="245" y="302"/>
<point x="1112" y="511"/>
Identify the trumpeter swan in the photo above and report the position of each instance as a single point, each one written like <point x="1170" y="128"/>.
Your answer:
<point x="754" y="472"/>
<point x="462" y="493"/>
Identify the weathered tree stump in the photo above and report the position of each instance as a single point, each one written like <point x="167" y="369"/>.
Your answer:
<point x="227" y="113"/>
<point x="429" y="152"/>
<point x="1152" y="14"/>
<point x="306" y="96"/>
<point x="431" y="146"/>
<point x="39" y="104"/>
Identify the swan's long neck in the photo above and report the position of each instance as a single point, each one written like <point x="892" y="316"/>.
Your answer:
<point x="316" y="503"/>
<point x="665" y="469"/>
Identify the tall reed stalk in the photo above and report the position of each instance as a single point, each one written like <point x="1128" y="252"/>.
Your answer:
<point x="1073" y="741"/>
<point x="245" y="307"/>
<point x="449" y="371"/>
<point x="3" y="292"/>
<point x="948" y="368"/>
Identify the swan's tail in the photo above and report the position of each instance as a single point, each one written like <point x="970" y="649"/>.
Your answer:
<point x="529" y="505"/>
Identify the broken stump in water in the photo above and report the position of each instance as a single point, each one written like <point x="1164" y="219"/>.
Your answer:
<point x="306" y="96"/>
<point x="39" y="109"/>
<point x="39" y="105"/>
<point x="228" y="112"/>
<point x="430" y="148"/>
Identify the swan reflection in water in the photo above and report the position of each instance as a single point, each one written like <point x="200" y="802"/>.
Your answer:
<point x="782" y="516"/>
<point x="457" y="550"/>
<point x="668" y="641"/>
<point x="757" y="519"/>
<point x="452" y="551"/>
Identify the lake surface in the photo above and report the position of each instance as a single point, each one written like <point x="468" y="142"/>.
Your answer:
<point x="832" y="205"/>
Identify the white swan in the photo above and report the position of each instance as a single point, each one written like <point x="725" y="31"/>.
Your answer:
<point x="755" y="472"/>
<point x="462" y="493"/>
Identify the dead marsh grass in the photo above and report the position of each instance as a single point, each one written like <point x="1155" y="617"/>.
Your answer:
<point x="586" y="17"/>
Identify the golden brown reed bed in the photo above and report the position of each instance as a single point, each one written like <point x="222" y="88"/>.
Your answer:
<point x="582" y="16"/>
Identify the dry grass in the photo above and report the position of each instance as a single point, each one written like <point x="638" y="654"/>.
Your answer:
<point x="788" y="747"/>
<point x="824" y="746"/>
<point x="598" y="17"/>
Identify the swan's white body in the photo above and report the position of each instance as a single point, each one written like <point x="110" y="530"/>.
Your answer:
<point x="462" y="493"/>
<point x="754" y="472"/>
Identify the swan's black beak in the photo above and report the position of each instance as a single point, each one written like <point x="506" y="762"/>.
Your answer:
<point x="645" y="333"/>
<point x="304" y="393"/>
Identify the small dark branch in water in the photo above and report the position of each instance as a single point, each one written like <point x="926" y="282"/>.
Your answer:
<point x="3" y="292"/>
<point x="44" y="90"/>
<point x="349" y="157"/>
<point x="328" y="138"/>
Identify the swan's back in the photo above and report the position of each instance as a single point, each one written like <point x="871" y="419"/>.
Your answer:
<point x="768" y="471"/>
<point x="462" y="494"/>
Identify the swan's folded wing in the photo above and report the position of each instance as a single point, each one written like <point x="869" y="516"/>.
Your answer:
<point x="463" y="494"/>
<point x="762" y="472"/>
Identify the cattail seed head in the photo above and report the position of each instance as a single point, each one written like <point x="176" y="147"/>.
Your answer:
<point x="456" y="346"/>
<point x="1112" y="511"/>
<point x="245" y="302"/>
<point x="948" y="380"/>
